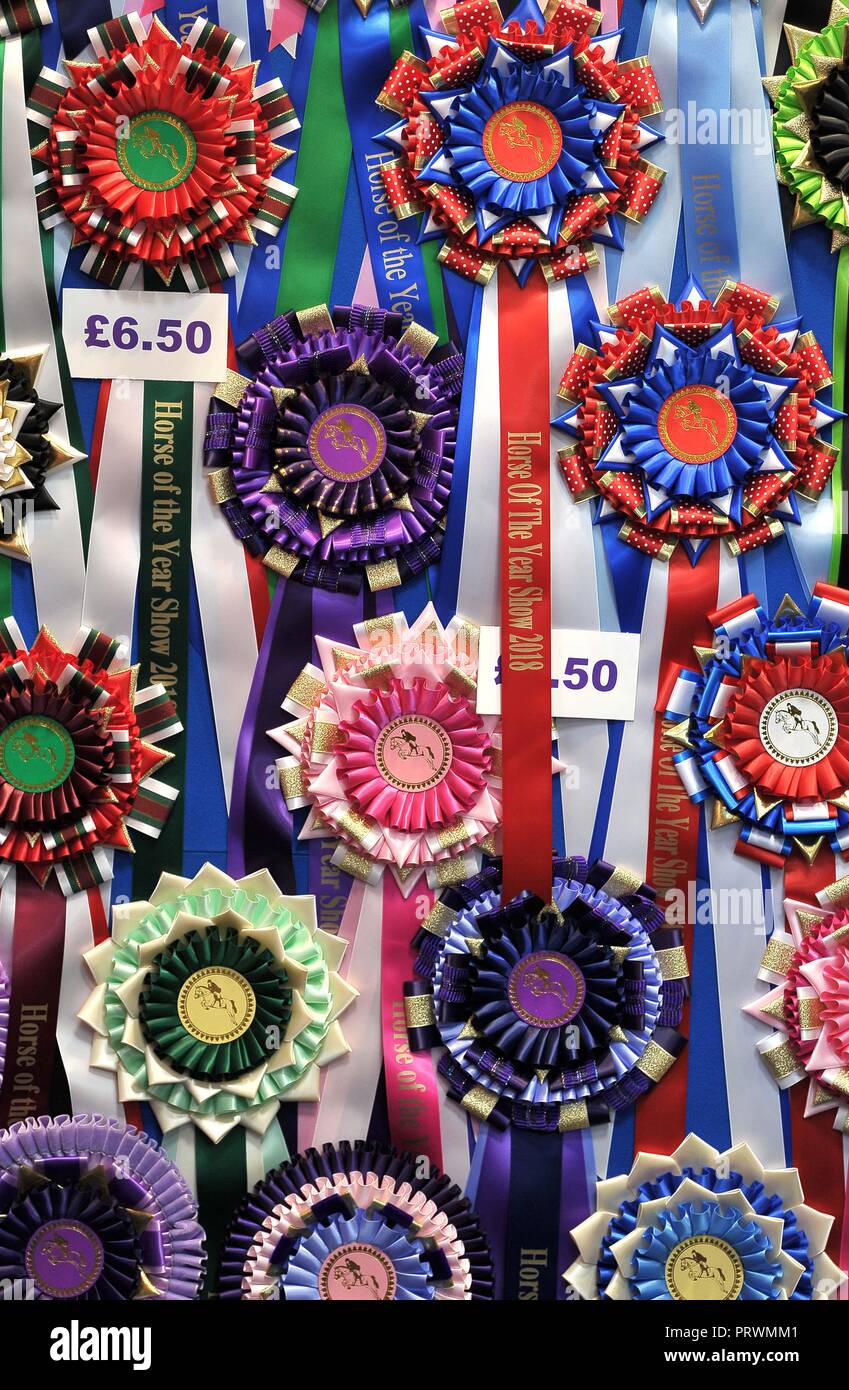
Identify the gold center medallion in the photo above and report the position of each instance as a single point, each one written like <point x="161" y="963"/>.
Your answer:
<point x="522" y="141"/>
<point x="216" y="1005"/>
<point x="704" y="1269"/>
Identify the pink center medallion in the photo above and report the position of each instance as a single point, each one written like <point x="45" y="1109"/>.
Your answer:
<point x="413" y="753"/>
<point x="64" y="1259"/>
<point x="546" y="989"/>
<point x="357" y="1273"/>
<point x="346" y="443"/>
<point x="697" y="424"/>
<point x="522" y="141"/>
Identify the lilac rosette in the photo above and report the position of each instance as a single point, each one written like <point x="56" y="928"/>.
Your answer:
<point x="4" y="1018"/>
<point x="355" y="1222"/>
<point x="334" y="461"/>
<point x="552" y="1016"/>
<point x="92" y="1210"/>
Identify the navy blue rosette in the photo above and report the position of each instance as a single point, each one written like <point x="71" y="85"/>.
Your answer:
<point x="358" y="1222"/>
<point x="552" y="1016"/>
<point x="568" y="155"/>
<point x="703" y="1225"/>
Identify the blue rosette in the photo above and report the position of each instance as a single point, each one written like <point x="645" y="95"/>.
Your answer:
<point x="552" y="1016"/>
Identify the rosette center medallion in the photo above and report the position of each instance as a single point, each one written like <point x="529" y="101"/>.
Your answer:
<point x="64" y="1259"/>
<point x="546" y="989"/>
<point x="697" y="424"/>
<point x="347" y="442"/>
<point x="156" y="150"/>
<point x="413" y="753"/>
<point x="357" y="1272"/>
<point x="704" y="1269"/>
<point x="522" y="141"/>
<point x="798" y="728"/>
<point x="216" y="1005"/>
<point x="36" y="754"/>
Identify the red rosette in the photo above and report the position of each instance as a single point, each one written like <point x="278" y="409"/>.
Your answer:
<point x="766" y="496"/>
<point x="78" y="747"/>
<point x="765" y="682"/>
<point x="471" y="26"/>
<point x="161" y="153"/>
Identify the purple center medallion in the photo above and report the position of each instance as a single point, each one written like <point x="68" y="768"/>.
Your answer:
<point x="347" y="442"/>
<point x="546" y="989"/>
<point x="64" y="1259"/>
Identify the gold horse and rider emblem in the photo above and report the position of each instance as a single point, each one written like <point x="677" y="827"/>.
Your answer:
<point x="522" y="141"/>
<point x="216" y="1005"/>
<point x="697" y="424"/>
<point x="346" y="442"/>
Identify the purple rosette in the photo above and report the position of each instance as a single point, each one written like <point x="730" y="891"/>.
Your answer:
<point x="335" y="459"/>
<point x="4" y="1018"/>
<point x="356" y="1222"/>
<point x="92" y="1210"/>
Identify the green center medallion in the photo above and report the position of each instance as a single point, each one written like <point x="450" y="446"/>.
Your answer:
<point x="36" y="754"/>
<point x="157" y="150"/>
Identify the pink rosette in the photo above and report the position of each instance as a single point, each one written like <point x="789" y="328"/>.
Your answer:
<point x="807" y="1006"/>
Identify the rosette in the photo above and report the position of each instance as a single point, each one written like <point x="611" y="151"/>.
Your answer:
<point x="697" y="420"/>
<point x="552" y="1016"/>
<point x="521" y="140"/>
<point x="29" y="451"/>
<point x="811" y="125"/>
<point x="703" y="1226"/>
<point x="217" y="1000"/>
<point x="763" y="727"/>
<point x="336" y="459"/>
<point x="90" y="1209"/>
<point x="160" y="152"/>
<point x="807" y="1006"/>
<point x="389" y="754"/>
<point x="78" y="746"/>
<point x="355" y="1222"/>
<point x="4" y="1018"/>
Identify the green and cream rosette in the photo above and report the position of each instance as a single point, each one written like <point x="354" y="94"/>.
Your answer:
<point x="217" y="1000"/>
<point x="811" y="115"/>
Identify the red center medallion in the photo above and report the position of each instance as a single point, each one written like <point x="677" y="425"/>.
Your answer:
<point x="522" y="141"/>
<point x="697" y="424"/>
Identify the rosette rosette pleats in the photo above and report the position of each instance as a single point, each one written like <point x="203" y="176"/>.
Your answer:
<point x="160" y="152"/>
<point x="552" y="1015"/>
<point x="79" y="747"/>
<point x="806" y="1007"/>
<point x="521" y="140"/>
<point x="29" y="451"/>
<point x="334" y="461"/>
<point x="217" y="1000"/>
<point x="763" y="728"/>
<point x="356" y="1222"/>
<point x="811" y="125"/>
<point x="389" y="754"/>
<point x="703" y="1226"/>
<point x="92" y="1210"/>
<point x="697" y="420"/>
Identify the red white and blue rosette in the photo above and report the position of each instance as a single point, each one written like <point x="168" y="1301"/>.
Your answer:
<point x="698" y="1225"/>
<point x="696" y="420"/>
<point x="355" y="1223"/>
<point x="161" y="152"/>
<point x="763" y="727"/>
<point x="93" y="1210"/>
<point x="334" y="461"/>
<point x="521" y="140"/>
<point x="552" y="1016"/>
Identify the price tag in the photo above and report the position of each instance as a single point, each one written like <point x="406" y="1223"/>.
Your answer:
<point x="593" y="674"/>
<point x="145" y="336"/>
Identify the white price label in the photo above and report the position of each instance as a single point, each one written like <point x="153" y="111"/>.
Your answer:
<point x="145" y="336"/>
<point x="593" y="674"/>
